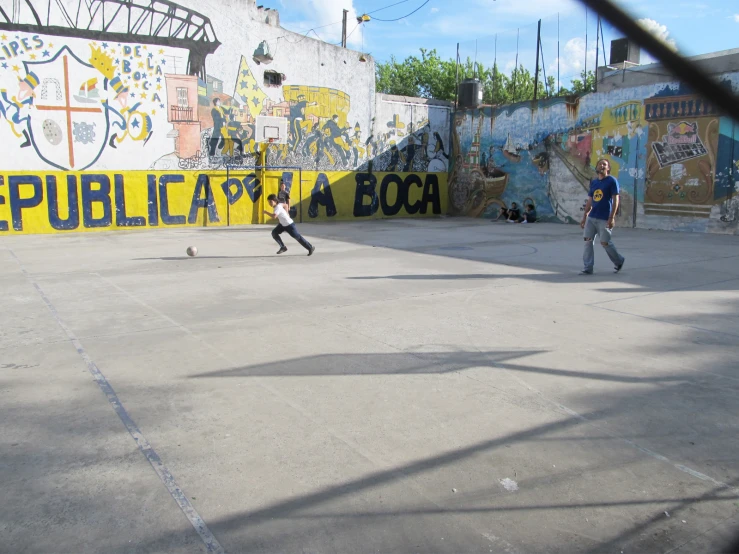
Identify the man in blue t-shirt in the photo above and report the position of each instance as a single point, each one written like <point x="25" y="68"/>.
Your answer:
<point x="599" y="217"/>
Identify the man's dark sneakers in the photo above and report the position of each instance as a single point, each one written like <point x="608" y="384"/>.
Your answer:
<point x="281" y="250"/>
<point x="619" y="266"/>
<point x="312" y="249"/>
<point x="586" y="272"/>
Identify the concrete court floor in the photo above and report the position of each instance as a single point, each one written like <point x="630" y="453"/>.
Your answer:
<point x="438" y="386"/>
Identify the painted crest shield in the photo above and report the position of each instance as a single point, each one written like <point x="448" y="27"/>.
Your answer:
<point x="69" y="122"/>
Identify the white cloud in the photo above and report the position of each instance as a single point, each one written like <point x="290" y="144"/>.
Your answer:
<point x="658" y="30"/>
<point x="327" y="15"/>
<point x="572" y="61"/>
<point x="434" y="10"/>
<point x="736" y="17"/>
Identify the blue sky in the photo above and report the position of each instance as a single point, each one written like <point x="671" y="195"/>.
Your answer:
<point x="696" y="27"/>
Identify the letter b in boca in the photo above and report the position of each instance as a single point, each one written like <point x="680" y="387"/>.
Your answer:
<point x="367" y="186"/>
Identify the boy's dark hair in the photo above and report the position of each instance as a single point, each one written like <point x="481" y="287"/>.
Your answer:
<point x="272" y="197"/>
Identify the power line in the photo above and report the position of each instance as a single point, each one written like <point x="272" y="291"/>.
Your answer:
<point x="386" y="7"/>
<point x="355" y="28"/>
<point x="408" y="15"/>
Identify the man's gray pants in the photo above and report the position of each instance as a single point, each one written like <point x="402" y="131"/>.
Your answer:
<point x="600" y="228"/>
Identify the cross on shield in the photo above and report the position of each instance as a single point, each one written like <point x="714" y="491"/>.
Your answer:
<point x="69" y="130"/>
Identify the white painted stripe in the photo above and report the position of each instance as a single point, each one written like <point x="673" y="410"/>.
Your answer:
<point x="143" y="444"/>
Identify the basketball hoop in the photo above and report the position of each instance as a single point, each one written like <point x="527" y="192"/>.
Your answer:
<point x="271" y="129"/>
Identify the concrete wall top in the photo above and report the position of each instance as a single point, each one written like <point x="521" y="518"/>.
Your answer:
<point x="415" y="100"/>
<point x="716" y="63"/>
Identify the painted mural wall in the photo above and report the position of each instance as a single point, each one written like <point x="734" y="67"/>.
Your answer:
<point x="676" y="158"/>
<point x="53" y="202"/>
<point x="411" y="134"/>
<point x="98" y="109"/>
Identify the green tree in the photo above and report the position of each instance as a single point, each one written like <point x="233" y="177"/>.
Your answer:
<point x="429" y="76"/>
<point x="397" y="78"/>
<point x="551" y="88"/>
<point x="586" y="83"/>
<point x="520" y="86"/>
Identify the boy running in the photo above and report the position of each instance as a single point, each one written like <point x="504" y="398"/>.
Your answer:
<point x="286" y="224"/>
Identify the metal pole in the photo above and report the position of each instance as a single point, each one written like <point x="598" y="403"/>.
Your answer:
<point x="456" y="82"/>
<point x="603" y="42"/>
<point x="559" y="84"/>
<point x="585" y="77"/>
<point x="515" y="70"/>
<point x="300" y="192"/>
<point x="597" y="51"/>
<point x="343" y="30"/>
<point x="495" y="67"/>
<point x="474" y="68"/>
<point x="538" y="49"/>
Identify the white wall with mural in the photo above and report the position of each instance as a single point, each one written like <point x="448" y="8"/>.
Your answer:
<point x="151" y="113"/>
<point x="90" y="86"/>
<point x="72" y="102"/>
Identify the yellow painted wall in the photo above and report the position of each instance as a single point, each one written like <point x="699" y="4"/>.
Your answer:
<point x="39" y="202"/>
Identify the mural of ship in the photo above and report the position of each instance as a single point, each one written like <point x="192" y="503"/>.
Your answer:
<point x="510" y="151"/>
<point x="488" y="182"/>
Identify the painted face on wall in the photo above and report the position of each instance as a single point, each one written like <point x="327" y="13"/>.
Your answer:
<point x="24" y="91"/>
<point x="123" y="98"/>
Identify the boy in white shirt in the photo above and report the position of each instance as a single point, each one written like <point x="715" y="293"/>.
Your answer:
<point x="286" y="224"/>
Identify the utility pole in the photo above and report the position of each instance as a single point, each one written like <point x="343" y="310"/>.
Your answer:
<point x="456" y="82"/>
<point x="597" y="52"/>
<point x="343" y="30"/>
<point x="538" y="49"/>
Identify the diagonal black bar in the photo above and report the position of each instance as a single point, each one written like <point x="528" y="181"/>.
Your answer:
<point x="681" y="67"/>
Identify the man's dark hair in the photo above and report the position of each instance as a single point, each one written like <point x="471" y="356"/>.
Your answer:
<point x="530" y="206"/>
<point x="272" y="197"/>
<point x="513" y="204"/>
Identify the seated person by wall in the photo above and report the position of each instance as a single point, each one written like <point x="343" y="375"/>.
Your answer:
<point x="511" y="214"/>
<point x="529" y="216"/>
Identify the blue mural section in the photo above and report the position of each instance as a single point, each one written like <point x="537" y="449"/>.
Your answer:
<point x="675" y="157"/>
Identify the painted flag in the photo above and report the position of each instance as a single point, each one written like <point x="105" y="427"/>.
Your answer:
<point x="248" y="90"/>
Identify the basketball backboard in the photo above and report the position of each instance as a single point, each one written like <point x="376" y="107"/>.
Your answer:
<point x="271" y="129"/>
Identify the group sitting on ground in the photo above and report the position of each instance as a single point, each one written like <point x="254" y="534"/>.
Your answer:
<point x="513" y="214"/>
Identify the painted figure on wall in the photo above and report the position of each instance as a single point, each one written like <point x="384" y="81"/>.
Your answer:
<point x="16" y="109"/>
